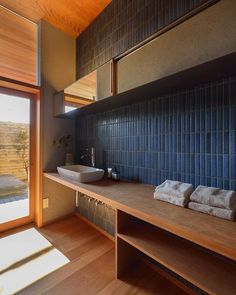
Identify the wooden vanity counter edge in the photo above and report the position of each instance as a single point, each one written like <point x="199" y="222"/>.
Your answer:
<point x="137" y="199"/>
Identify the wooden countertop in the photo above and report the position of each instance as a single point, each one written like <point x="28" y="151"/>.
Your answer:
<point x="136" y="199"/>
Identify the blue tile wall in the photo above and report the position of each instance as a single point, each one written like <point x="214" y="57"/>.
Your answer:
<point x="188" y="136"/>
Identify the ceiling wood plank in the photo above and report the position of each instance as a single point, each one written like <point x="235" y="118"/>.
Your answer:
<point x="70" y="16"/>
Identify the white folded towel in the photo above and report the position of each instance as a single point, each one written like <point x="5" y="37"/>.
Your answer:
<point x="179" y="201"/>
<point x="214" y="197"/>
<point x="218" y="212"/>
<point x="175" y="188"/>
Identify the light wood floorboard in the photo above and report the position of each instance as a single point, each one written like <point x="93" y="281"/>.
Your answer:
<point x="91" y="269"/>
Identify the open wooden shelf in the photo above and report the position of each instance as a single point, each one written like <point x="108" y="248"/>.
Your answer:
<point x="209" y="272"/>
<point x="197" y="247"/>
<point x="215" y="234"/>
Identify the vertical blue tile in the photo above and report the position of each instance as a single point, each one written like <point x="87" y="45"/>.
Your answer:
<point x="233" y="117"/>
<point x="197" y="121"/>
<point x="202" y="143"/>
<point x="208" y="120"/>
<point x="189" y="135"/>
<point x="232" y="185"/>
<point x="208" y="165"/>
<point x="233" y="167"/>
<point x="232" y="142"/>
<point x="226" y="118"/>
<point x="225" y="166"/>
<point x="213" y="182"/>
<point x="226" y="143"/>
<point x="226" y="184"/>
<point x="213" y="166"/>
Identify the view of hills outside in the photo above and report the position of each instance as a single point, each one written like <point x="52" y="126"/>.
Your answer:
<point x="14" y="156"/>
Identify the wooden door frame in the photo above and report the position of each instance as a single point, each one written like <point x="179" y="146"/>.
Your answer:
<point x="19" y="89"/>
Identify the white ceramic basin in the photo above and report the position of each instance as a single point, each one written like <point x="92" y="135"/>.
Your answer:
<point x="80" y="173"/>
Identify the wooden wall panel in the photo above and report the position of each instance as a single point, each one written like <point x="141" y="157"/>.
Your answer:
<point x="124" y="24"/>
<point x="18" y="47"/>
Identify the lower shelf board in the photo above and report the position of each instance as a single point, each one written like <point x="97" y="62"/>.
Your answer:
<point x="142" y="279"/>
<point x="209" y="272"/>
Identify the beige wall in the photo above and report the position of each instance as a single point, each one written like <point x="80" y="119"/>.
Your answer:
<point x="61" y="200"/>
<point x="204" y="37"/>
<point x="58" y="57"/>
<point x="58" y="62"/>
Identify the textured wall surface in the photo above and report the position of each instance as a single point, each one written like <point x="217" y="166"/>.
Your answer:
<point x="61" y="200"/>
<point x="188" y="136"/>
<point x="202" y="38"/>
<point x="122" y="25"/>
<point x="57" y="72"/>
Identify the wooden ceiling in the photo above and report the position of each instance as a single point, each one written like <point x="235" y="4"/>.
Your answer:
<point x="70" y="16"/>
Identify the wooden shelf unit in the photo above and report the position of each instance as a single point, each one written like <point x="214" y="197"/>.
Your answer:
<point x="137" y="199"/>
<point x="207" y="270"/>
<point x="197" y="247"/>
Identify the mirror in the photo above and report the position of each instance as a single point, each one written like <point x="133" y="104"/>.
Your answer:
<point x="80" y="93"/>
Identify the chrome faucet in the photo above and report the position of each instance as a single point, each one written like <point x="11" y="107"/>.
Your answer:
<point x="84" y="155"/>
<point x="92" y="154"/>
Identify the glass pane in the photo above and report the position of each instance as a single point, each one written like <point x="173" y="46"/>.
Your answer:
<point x="69" y="108"/>
<point x="14" y="157"/>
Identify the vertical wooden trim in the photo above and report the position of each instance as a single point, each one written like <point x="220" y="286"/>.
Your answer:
<point x="39" y="166"/>
<point x="125" y="255"/>
<point x="113" y="77"/>
<point x="32" y="154"/>
<point x="38" y="70"/>
<point x="126" y="258"/>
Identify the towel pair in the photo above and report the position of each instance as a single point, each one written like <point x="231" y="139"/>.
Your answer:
<point x="210" y="200"/>
<point x="174" y="192"/>
<point x="214" y="201"/>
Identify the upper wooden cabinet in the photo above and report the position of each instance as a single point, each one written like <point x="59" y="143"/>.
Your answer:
<point x="76" y="95"/>
<point x="96" y="86"/>
<point x="202" y="38"/>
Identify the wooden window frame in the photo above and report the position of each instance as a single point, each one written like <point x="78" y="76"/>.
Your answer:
<point x="21" y="89"/>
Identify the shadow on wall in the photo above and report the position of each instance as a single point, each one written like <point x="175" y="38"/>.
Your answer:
<point x="53" y="128"/>
<point x="189" y="136"/>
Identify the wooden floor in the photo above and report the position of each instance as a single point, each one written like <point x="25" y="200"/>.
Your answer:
<point x="91" y="269"/>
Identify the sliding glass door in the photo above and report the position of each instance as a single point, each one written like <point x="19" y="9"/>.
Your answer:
<point x="16" y="158"/>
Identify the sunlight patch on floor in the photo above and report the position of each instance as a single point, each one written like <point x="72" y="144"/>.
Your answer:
<point x="13" y="209"/>
<point x="25" y="258"/>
